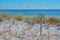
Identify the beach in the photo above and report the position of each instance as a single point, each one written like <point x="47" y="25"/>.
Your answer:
<point x="29" y="19"/>
<point x="26" y="25"/>
<point x="20" y="30"/>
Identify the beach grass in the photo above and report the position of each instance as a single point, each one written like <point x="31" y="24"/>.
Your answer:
<point x="34" y="19"/>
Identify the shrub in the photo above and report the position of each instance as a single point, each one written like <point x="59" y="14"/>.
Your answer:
<point x="0" y="19"/>
<point x="18" y="17"/>
<point x="54" y="20"/>
<point x="6" y="16"/>
<point x="28" y="19"/>
<point x="34" y="19"/>
<point x="44" y="20"/>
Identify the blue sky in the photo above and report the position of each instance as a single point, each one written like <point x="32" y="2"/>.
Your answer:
<point x="29" y="4"/>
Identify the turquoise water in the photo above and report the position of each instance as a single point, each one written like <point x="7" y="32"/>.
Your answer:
<point x="32" y="12"/>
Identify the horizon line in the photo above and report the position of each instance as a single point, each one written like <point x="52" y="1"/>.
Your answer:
<point x="29" y="9"/>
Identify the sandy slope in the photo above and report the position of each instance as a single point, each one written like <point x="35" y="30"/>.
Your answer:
<point x="20" y="30"/>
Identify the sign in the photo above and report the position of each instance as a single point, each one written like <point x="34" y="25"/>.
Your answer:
<point x="41" y="15"/>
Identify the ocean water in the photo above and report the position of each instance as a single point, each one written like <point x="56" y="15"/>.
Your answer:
<point x="32" y="12"/>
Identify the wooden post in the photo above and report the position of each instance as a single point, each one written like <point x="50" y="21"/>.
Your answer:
<point x="40" y="29"/>
<point x="49" y="35"/>
<point x="41" y="16"/>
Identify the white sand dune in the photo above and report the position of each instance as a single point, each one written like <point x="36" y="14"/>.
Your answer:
<point x="20" y="30"/>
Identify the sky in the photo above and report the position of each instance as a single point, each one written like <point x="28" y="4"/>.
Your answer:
<point x="29" y="4"/>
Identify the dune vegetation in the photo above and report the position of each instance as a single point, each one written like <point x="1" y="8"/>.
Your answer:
<point x="34" y="19"/>
<point x="18" y="27"/>
<point x="18" y="17"/>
